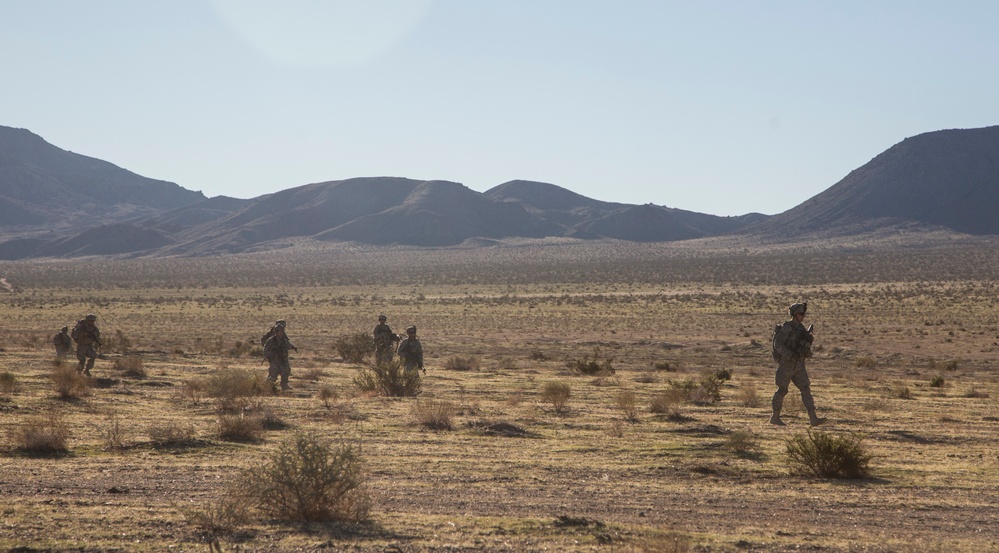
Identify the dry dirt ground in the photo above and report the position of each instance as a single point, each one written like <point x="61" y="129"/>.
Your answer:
<point x="906" y="341"/>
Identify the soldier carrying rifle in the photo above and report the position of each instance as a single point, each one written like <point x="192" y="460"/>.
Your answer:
<point x="791" y="345"/>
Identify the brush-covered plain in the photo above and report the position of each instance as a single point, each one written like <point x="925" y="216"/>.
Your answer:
<point x="578" y="397"/>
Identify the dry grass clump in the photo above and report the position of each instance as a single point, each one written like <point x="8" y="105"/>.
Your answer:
<point x="116" y="343"/>
<point x="172" y="434"/>
<point x="669" y="401"/>
<point x="8" y="384"/>
<point x="223" y="515"/>
<point x="388" y="379"/>
<point x="233" y="388"/>
<point x="328" y="396"/>
<point x="114" y="432"/>
<point x="975" y="393"/>
<point x="434" y="414"/>
<point x="462" y="363"/>
<point x="627" y="403"/>
<point x="743" y="443"/>
<point x="240" y="427"/>
<point x="747" y="396"/>
<point x="353" y="348"/>
<point x="592" y="364"/>
<point x="308" y="480"/>
<point x="44" y="435"/>
<point x="68" y="383"/>
<point x="129" y="365"/>
<point x="193" y="390"/>
<point x="938" y="381"/>
<point x="558" y="394"/>
<point x="866" y="363"/>
<point x="949" y="365"/>
<point x="829" y="456"/>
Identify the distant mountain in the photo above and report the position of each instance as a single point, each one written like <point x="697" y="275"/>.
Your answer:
<point x="43" y="186"/>
<point x="945" y="179"/>
<point x="652" y="223"/>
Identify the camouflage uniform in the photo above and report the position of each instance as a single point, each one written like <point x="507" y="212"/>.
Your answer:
<point x="276" y="352"/>
<point x="411" y="351"/>
<point x="63" y="343"/>
<point x="793" y="344"/>
<point x="384" y="340"/>
<point x="86" y="335"/>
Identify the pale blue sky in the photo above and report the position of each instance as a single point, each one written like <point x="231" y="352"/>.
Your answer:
<point x="722" y="107"/>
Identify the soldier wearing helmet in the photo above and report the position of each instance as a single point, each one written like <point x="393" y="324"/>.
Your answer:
<point x="385" y="341"/>
<point x="88" y="338"/>
<point x="411" y="351"/>
<point x="792" y="344"/>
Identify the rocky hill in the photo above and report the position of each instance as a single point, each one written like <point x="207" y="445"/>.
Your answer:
<point x="43" y="187"/>
<point x="946" y="179"/>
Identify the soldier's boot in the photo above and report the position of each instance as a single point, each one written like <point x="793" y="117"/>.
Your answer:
<point x="815" y="420"/>
<point x="79" y="367"/>
<point x="777" y="403"/>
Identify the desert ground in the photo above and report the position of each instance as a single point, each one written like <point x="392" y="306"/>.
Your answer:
<point x="904" y="364"/>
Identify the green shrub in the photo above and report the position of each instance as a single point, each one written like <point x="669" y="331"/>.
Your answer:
<point x="434" y="414"/>
<point x="558" y="394"/>
<point x="828" y="456"/>
<point x="938" y="381"/>
<point x="388" y="379"/>
<point x="708" y="391"/>
<point x="44" y="435"/>
<point x="353" y="348"/>
<point x="308" y="480"/>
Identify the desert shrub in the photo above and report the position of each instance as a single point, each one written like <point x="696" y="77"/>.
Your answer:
<point x="68" y="383"/>
<point x="271" y="419"/>
<point x="627" y="402"/>
<point x="462" y="363"/>
<point x="353" y="348"/>
<point x="866" y="363"/>
<point x="949" y="365"/>
<point x="647" y="377"/>
<point x="224" y="514"/>
<point x="975" y="393"/>
<point x="558" y="394"/>
<point x="116" y="343"/>
<point x="241" y="348"/>
<point x="747" y="396"/>
<point x="8" y="384"/>
<point x="723" y="374"/>
<point x="901" y="392"/>
<point x="171" y="434"/>
<point x="743" y="443"/>
<point x="307" y="479"/>
<point x="938" y="381"/>
<point x="328" y="396"/>
<point x="668" y="403"/>
<point x="114" y="432"/>
<point x="240" y="427"/>
<point x="829" y="456"/>
<point x="314" y="374"/>
<point x="708" y="391"/>
<point x="193" y="390"/>
<point x="43" y="435"/>
<point x="388" y="379"/>
<point x="434" y="414"/>
<point x="538" y="355"/>
<point x="232" y="388"/>
<point x="665" y="366"/>
<point x="592" y="364"/>
<point x="129" y="365"/>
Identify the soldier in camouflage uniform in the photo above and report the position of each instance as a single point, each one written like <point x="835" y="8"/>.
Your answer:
<point x="63" y="343"/>
<point x="276" y="353"/>
<point x="385" y="339"/>
<point x="87" y="335"/>
<point x="411" y="351"/>
<point x="792" y="343"/>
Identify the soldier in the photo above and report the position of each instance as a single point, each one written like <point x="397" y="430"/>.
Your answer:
<point x="277" y="323"/>
<point x="63" y="343"/>
<point x="87" y="335"/>
<point x="276" y="352"/>
<point x="792" y="344"/>
<point x="384" y="341"/>
<point x="411" y="351"/>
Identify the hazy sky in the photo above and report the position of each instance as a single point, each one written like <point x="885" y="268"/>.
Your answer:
<point x="721" y="107"/>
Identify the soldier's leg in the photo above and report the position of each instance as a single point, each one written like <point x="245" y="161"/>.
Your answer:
<point x="801" y="380"/>
<point x="782" y="380"/>
<point x="285" y="374"/>
<point x="272" y="371"/>
<point x="91" y="357"/>
<point x="81" y="357"/>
